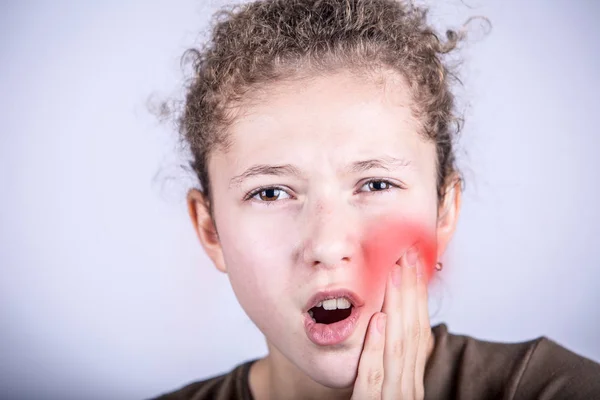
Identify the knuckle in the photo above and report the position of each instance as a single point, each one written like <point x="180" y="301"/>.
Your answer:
<point x="414" y="332"/>
<point x="375" y="377"/>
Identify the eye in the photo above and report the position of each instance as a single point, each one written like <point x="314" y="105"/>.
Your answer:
<point x="378" y="185"/>
<point x="268" y="195"/>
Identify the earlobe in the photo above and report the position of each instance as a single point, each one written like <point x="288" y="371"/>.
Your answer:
<point x="199" y="210"/>
<point x="448" y="215"/>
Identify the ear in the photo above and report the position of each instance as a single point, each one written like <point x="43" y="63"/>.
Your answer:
<point x="448" y="212"/>
<point x="199" y="210"/>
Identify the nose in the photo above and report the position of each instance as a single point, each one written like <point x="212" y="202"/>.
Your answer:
<point x="329" y="237"/>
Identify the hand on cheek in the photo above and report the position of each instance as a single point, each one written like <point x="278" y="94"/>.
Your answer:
<point x="384" y="245"/>
<point x="392" y="364"/>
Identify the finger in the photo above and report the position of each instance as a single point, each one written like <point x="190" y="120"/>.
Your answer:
<point x="394" y="353"/>
<point x="370" y="366"/>
<point x="410" y="321"/>
<point x="426" y="335"/>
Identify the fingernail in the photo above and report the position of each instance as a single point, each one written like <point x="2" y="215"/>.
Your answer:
<point x="412" y="256"/>
<point x="381" y="318"/>
<point x="396" y="275"/>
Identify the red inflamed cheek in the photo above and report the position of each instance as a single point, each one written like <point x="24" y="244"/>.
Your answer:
<point x="385" y="242"/>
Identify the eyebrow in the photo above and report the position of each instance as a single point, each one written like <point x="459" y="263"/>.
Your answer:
<point x="387" y="163"/>
<point x="265" y="169"/>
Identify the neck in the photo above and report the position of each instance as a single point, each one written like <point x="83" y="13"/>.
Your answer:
<point x="275" y="377"/>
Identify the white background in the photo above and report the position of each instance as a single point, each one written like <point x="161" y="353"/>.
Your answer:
<point x="104" y="291"/>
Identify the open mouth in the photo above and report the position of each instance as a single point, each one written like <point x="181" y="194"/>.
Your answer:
<point x="331" y="311"/>
<point x="331" y="316"/>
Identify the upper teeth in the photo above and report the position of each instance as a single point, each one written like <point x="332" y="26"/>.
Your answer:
<point x="332" y="304"/>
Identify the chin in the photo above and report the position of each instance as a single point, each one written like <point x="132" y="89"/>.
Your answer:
<point x="335" y="369"/>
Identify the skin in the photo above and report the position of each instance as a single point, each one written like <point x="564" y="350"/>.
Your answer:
<point x="313" y="232"/>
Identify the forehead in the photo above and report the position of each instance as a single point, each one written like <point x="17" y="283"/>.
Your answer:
<point x="343" y="115"/>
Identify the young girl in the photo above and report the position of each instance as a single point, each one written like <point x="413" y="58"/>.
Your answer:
<point x="322" y="135"/>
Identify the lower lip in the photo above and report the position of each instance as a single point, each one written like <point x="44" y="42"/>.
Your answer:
<point x="331" y="334"/>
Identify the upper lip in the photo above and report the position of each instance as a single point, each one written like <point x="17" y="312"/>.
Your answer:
<point x="355" y="300"/>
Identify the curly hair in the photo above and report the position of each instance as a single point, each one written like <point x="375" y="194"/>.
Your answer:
<point x="268" y="41"/>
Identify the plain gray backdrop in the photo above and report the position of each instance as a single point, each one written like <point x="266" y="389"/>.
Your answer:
<point x="104" y="289"/>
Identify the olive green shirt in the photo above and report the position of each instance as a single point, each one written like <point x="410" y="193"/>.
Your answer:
<point x="462" y="368"/>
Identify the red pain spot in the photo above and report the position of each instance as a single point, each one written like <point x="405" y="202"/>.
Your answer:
<point x="385" y="242"/>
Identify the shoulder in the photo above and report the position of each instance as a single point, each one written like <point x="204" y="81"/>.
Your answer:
<point x="554" y="372"/>
<point x="231" y="385"/>
<point x="462" y="366"/>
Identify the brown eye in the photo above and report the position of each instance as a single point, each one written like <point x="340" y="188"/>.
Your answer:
<point x="377" y="186"/>
<point x="271" y="194"/>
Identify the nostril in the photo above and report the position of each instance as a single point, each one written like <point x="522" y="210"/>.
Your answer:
<point x="328" y="261"/>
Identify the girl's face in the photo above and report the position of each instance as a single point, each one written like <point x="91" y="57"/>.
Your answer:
<point x="326" y="184"/>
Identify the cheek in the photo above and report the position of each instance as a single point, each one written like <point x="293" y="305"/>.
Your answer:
<point x="255" y="258"/>
<point x="385" y="243"/>
<point x="256" y="283"/>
